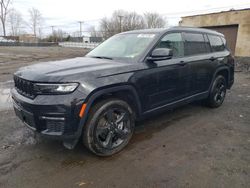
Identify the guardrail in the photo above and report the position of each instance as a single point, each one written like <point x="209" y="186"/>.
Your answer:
<point x="78" y="45"/>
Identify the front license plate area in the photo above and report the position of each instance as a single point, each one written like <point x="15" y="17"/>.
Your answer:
<point x="26" y="117"/>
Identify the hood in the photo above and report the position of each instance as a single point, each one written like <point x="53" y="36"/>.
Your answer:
<point x="70" y="69"/>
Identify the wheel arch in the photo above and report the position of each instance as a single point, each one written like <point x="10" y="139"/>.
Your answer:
<point x="124" y="92"/>
<point x="224" y="71"/>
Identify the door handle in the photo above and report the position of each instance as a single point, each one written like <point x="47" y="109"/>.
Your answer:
<point x="212" y="58"/>
<point x="182" y="63"/>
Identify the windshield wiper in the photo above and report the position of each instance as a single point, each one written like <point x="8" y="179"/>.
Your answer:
<point x="102" y="57"/>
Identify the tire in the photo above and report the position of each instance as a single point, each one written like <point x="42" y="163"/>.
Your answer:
<point x="217" y="92"/>
<point x="109" y="127"/>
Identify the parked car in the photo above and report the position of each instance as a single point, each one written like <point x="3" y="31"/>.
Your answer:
<point x="4" y="40"/>
<point x="98" y="98"/>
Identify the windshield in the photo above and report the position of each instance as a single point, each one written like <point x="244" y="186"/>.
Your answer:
<point x="123" y="46"/>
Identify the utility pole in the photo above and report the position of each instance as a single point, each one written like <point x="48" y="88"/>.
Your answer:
<point x="81" y="22"/>
<point x="52" y="29"/>
<point x="52" y="33"/>
<point x="120" y="18"/>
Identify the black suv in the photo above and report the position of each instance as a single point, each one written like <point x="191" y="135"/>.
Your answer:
<point x="98" y="98"/>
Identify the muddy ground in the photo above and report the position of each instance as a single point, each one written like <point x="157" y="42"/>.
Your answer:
<point x="192" y="146"/>
<point x="11" y="58"/>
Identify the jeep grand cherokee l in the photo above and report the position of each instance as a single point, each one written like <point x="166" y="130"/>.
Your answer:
<point x="98" y="98"/>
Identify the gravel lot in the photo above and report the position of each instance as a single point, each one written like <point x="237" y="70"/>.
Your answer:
<point x="192" y="146"/>
<point x="11" y="58"/>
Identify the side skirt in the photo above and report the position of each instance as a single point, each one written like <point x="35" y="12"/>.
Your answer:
<point x="180" y="102"/>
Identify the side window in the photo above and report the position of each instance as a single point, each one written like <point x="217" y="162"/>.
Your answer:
<point x="216" y="43"/>
<point x="224" y="41"/>
<point x="173" y="41"/>
<point x="207" y="43"/>
<point x="195" y="44"/>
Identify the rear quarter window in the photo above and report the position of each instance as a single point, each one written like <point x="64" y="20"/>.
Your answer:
<point x="224" y="41"/>
<point x="195" y="43"/>
<point x="217" y="43"/>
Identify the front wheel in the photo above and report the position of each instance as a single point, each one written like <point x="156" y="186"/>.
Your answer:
<point x="109" y="127"/>
<point x="218" y="92"/>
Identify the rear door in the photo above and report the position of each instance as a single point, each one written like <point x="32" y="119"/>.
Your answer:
<point x="220" y="53"/>
<point x="201" y="65"/>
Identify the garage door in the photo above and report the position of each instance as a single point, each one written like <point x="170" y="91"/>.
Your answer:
<point x="230" y="32"/>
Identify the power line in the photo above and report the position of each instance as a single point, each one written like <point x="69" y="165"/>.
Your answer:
<point x="202" y="10"/>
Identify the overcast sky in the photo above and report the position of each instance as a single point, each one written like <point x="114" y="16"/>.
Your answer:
<point x="65" y="14"/>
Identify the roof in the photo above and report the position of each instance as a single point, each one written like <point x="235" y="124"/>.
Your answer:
<point x="232" y="10"/>
<point x="176" y="28"/>
<point x="195" y="29"/>
<point x="154" y="30"/>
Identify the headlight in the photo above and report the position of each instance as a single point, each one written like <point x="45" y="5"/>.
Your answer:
<point x="55" y="88"/>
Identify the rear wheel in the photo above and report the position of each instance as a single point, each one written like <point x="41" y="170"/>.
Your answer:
<point x="109" y="127"/>
<point x="218" y="92"/>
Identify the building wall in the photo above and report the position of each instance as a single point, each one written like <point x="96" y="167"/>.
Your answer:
<point x="28" y="38"/>
<point x="240" y="17"/>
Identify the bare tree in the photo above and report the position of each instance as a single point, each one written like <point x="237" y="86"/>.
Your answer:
<point x="58" y="35"/>
<point x="107" y="29"/>
<point x="121" y="21"/>
<point x="36" y="20"/>
<point x="125" y="21"/>
<point x="4" y="5"/>
<point x="132" y="21"/>
<point x="154" y="20"/>
<point x="16" y="22"/>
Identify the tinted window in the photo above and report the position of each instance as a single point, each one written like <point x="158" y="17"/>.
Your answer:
<point x="173" y="41"/>
<point x="223" y="40"/>
<point x="195" y="44"/>
<point x="216" y="43"/>
<point x="207" y="43"/>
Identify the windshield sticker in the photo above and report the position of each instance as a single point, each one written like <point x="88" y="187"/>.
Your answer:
<point x="146" y="35"/>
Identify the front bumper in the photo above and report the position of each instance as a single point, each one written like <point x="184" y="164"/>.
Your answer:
<point x="54" y="116"/>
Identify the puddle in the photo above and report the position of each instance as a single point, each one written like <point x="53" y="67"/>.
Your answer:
<point x="5" y="96"/>
<point x="72" y="163"/>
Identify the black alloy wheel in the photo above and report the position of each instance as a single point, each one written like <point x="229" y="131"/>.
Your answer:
<point x="109" y="127"/>
<point x="113" y="128"/>
<point x="218" y="92"/>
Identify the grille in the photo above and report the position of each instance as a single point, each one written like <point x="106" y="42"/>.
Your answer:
<point x="24" y="87"/>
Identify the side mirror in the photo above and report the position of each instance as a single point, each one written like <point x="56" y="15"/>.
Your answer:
<point x="160" y="54"/>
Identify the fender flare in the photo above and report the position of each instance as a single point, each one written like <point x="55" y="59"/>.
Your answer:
<point x="95" y="94"/>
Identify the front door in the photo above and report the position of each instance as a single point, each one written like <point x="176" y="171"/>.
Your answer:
<point x="172" y="74"/>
